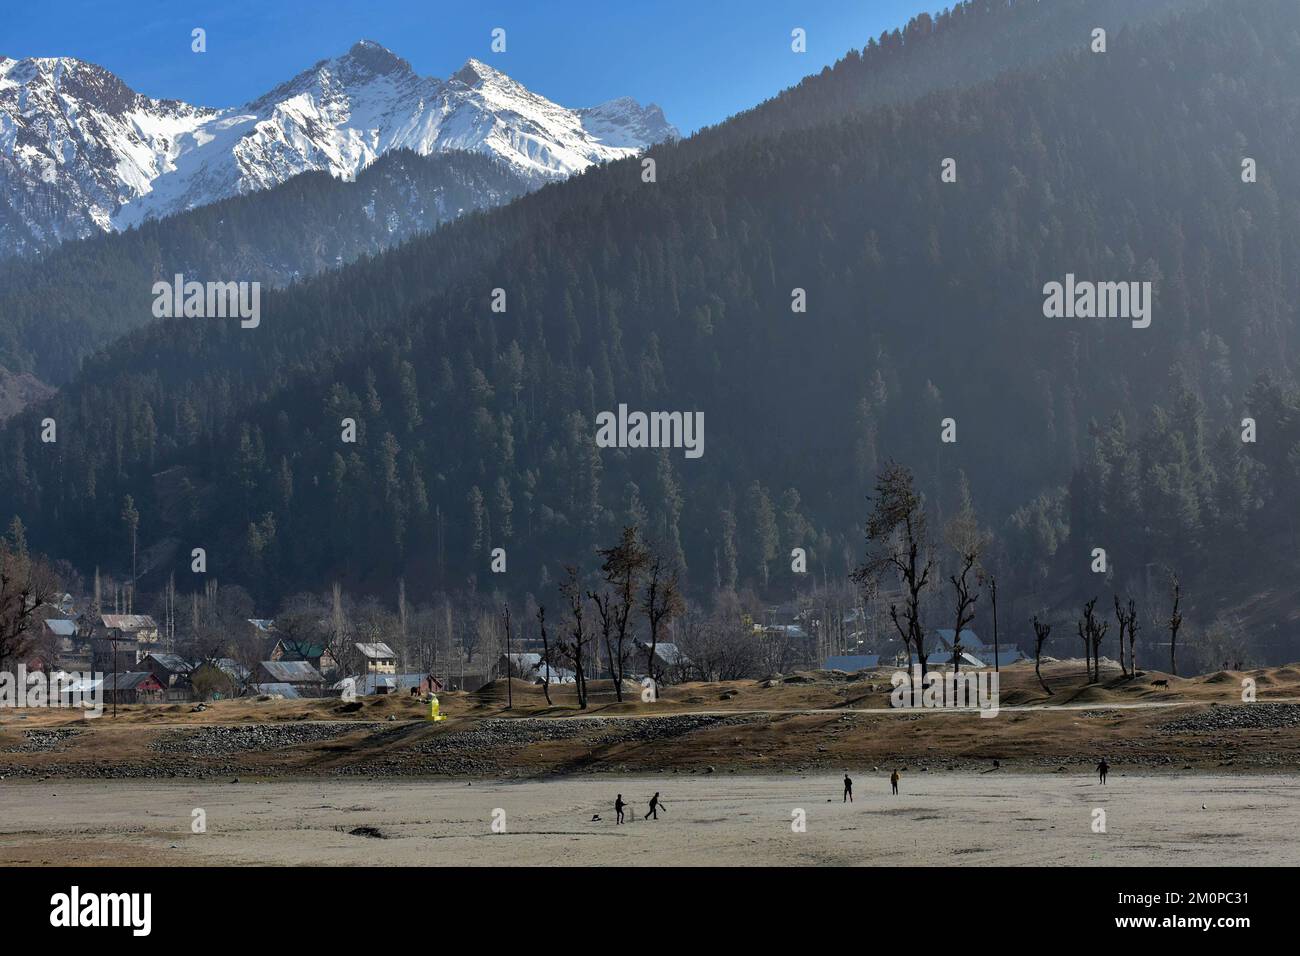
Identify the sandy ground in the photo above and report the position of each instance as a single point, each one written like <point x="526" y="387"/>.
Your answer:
<point x="939" y="819"/>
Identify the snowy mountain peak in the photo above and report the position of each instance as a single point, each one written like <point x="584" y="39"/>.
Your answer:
<point x="81" y="152"/>
<point x="476" y="73"/>
<point x="368" y="54"/>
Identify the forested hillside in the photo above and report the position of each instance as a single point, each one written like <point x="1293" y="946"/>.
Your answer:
<point x="925" y="301"/>
<point x="57" y="309"/>
<point x="55" y="312"/>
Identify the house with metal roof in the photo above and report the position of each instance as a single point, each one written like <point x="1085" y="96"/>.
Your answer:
<point x="173" y="672"/>
<point x="670" y="662"/>
<point x="141" y="626"/>
<point x="61" y="627"/>
<point x="529" y="667"/>
<point x="307" y="679"/>
<point x="294" y="649"/>
<point x="942" y="638"/>
<point x="379" y="658"/>
<point x="380" y="684"/>
<point x="941" y="658"/>
<point x="133" y="687"/>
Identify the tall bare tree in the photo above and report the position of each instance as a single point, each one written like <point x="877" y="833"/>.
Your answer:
<point x="575" y="648"/>
<point x="1133" y="628"/>
<point x="966" y="593"/>
<point x="661" y="601"/>
<point x="1041" y="632"/>
<point x="546" y="653"/>
<point x="1092" y="630"/>
<point x="1175" y="622"/>
<point x="1087" y="649"/>
<point x="624" y="565"/>
<point x="897" y="544"/>
<point x="1127" y="618"/>
<point x="606" y="611"/>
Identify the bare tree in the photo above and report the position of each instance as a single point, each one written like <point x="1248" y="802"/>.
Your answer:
<point x="546" y="654"/>
<point x="1127" y="619"/>
<point x="26" y="582"/>
<point x="575" y="648"/>
<point x="1175" y="622"/>
<point x="967" y="593"/>
<point x="624" y="565"/>
<point x="1133" y="628"/>
<point x="1099" y="629"/>
<point x="1092" y="630"/>
<point x="720" y="647"/>
<point x="661" y="602"/>
<point x="1041" y="631"/>
<point x="897" y="543"/>
<point x="606" y="610"/>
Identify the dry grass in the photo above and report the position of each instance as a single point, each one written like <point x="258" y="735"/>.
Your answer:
<point x="809" y="721"/>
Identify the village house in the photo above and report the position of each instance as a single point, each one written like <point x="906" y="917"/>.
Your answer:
<point x="133" y="687"/>
<point x="173" y="672"/>
<point x="382" y="684"/>
<point x="305" y="680"/>
<point x="529" y="667"/>
<point x="379" y="658"/>
<point x="975" y="653"/>
<point x="72" y="651"/>
<point x="670" y="662"/>
<point x="129" y="637"/>
<point x="317" y="655"/>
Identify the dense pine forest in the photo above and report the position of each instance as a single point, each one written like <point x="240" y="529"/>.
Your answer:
<point x="475" y="427"/>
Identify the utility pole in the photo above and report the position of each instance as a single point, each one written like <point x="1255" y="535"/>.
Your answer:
<point x="993" y="590"/>
<point x="510" y="694"/>
<point x="114" y="645"/>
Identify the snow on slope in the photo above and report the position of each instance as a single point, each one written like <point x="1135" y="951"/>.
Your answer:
<point x="80" y="152"/>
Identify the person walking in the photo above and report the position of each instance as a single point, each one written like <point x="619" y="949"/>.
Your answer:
<point x="1102" y="769"/>
<point x="848" y="790"/>
<point x="893" y="781"/>
<point x="618" y="809"/>
<point x="655" y="806"/>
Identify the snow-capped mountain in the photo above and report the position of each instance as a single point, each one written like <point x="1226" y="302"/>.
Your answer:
<point x="80" y="152"/>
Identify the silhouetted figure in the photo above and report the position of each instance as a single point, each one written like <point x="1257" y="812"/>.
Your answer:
<point x="655" y="807"/>
<point x="848" y="790"/>
<point x="618" y="809"/>
<point x="1102" y="769"/>
<point x="893" y="781"/>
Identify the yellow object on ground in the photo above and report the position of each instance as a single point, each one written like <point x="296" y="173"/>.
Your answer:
<point x="434" y="708"/>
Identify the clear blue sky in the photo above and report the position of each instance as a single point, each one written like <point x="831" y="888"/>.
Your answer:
<point x="701" y="60"/>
